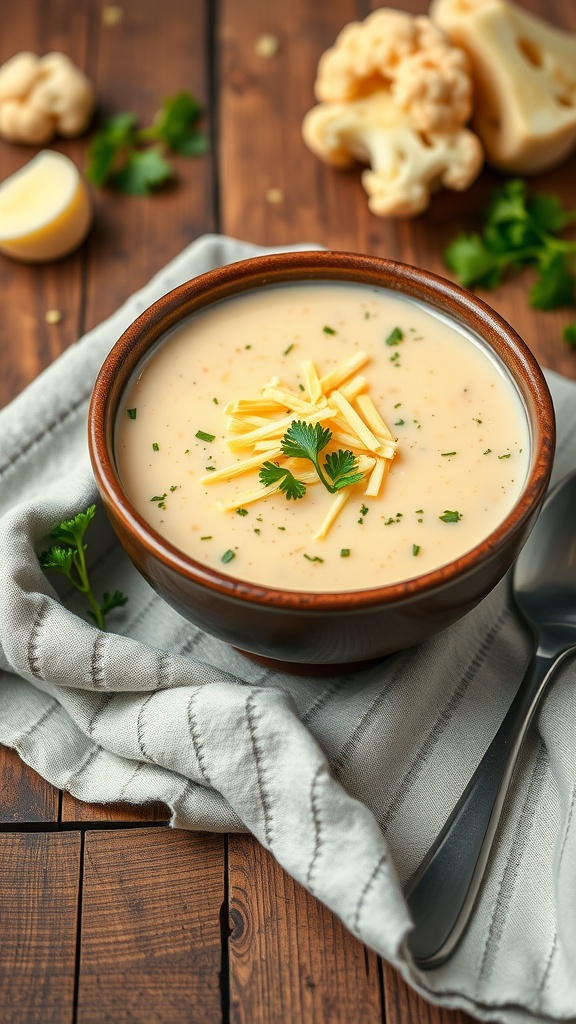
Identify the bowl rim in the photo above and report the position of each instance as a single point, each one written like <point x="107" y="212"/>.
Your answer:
<point x="319" y="265"/>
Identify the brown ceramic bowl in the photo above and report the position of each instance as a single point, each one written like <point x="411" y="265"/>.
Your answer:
<point x="320" y="632"/>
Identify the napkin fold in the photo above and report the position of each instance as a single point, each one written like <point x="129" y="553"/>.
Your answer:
<point x="346" y="780"/>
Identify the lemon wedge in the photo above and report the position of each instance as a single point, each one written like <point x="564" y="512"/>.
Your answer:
<point x="45" y="209"/>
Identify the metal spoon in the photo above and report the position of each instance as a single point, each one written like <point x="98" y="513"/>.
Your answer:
<point x="442" y="891"/>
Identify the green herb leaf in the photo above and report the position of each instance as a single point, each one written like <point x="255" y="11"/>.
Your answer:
<point x="203" y="436"/>
<point x="143" y="171"/>
<point x="228" y="556"/>
<point x="305" y="440"/>
<point x="569" y="334"/>
<point x="109" y="148"/>
<point x="69" y="558"/>
<point x="176" y="125"/>
<point x="395" y="336"/>
<point x="520" y="229"/>
<point x="272" y="473"/>
<point x="450" y="517"/>
<point x="340" y="467"/>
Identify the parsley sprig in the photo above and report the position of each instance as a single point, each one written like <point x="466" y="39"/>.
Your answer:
<point x="68" y="557"/>
<point x="133" y="159"/>
<point x="520" y="229"/>
<point x="305" y="441"/>
<point x="272" y="473"/>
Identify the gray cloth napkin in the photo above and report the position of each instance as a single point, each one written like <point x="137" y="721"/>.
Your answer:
<point x="345" y="780"/>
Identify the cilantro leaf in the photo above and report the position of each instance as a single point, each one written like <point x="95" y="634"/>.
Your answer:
<point x="143" y="171"/>
<point x="69" y="559"/>
<point x="341" y="467"/>
<point x="305" y="440"/>
<point x="132" y="159"/>
<point x="109" y="146"/>
<point x="272" y="473"/>
<point x="555" y="283"/>
<point x="175" y="124"/>
<point x="520" y="230"/>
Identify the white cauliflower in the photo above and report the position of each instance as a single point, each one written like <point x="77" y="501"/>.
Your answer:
<point x="43" y="96"/>
<point x="524" y="73"/>
<point x="395" y="93"/>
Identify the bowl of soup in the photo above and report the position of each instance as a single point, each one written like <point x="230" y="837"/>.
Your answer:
<point x="321" y="457"/>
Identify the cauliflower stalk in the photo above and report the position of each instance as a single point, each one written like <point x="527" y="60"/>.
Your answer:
<point x="524" y="73"/>
<point x="43" y="96"/>
<point x="395" y="94"/>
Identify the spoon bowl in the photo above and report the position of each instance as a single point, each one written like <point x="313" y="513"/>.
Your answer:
<point x="442" y="892"/>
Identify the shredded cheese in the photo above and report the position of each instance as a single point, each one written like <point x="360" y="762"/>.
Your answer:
<point x="338" y="401"/>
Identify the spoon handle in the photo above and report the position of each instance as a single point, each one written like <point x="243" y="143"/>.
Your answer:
<point x="443" y="889"/>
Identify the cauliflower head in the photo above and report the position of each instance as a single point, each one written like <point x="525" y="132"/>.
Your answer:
<point x="524" y="72"/>
<point x="43" y="96"/>
<point x="395" y="93"/>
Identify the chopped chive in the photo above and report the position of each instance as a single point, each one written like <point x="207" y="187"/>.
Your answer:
<point x="132" y="413"/>
<point x="419" y="511"/>
<point x="155" y="446"/>
<point x="228" y="556"/>
<point x="399" y="423"/>
<point x="282" y="528"/>
<point x="450" y="516"/>
<point x="174" y="487"/>
<point x="504" y="456"/>
<point x="207" y="537"/>
<point x="256" y="530"/>
<point x="395" y="336"/>
<point x="415" y="549"/>
<point x="241" y="511"/>
<point x="344" y="552"/>
<point x="397" y="405"/>
<point x="203" y="436"/>
<point x="446" y="455"/>
<point x="159" y="497"/>
<point x="314" y="558"/>
<point x="215" y="400"/>
<point x="488" y="451"/>
<point x="210" y="469"/>
<point x="289" y="349"/>
<point x="329" y="330"/>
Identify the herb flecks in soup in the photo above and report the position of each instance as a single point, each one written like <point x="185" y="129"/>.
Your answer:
<point x="452" y="469"/>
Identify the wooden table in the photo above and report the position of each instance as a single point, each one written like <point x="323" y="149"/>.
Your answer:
<point x="106" y="914"/>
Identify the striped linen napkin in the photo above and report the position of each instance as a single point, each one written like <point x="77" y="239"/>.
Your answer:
<point x="345" y="780"/>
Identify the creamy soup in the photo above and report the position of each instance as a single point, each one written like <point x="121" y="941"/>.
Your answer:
<point x="437" y="439"/>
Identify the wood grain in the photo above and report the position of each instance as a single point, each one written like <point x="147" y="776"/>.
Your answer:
<point x="39" y="875"/>
<point x="25" y="796"/>
<point x="291" y="959"/>
<point x="150" y="946"/>
<point x="77" y="811"/>
<point x="404" y="1006"/>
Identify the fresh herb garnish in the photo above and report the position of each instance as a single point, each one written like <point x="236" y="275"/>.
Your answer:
<point x="395" y="336"/>
<point x="329" y="330"/>
<point x="228" y="556"/>
<point x="344" y="552"/>
<point x="203" y="436"/>
<point x="313" y="558"/>
<point x="68" y="557"/>
<point x="450" y="516"/>
<point x="272" y="473"/>
<point x="447" y="455"/>
<point x="306" y="440"/>
<point x="241" y="511"/>
<point x="415" y="549"/>
<point x="155" y="446"/>
<point x="132" y="413"/>
<point x="288" y="350"/>
<point x="520" y="229"/>
<point x="133" y="159"/>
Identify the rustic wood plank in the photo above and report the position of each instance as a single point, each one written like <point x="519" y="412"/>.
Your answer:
<point x="404" y="1006"/>
<point x="29" y="344"/>
<point x="291" y="959"/>
<point x="151" y="948"/>
<point x="39" y="877"/>
<point x="25" y="796"/>
<point x="138" y="62"/>
<point x="74" y="810"/>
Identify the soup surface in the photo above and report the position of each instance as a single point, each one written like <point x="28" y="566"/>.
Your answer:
<point x="460" y="448"/>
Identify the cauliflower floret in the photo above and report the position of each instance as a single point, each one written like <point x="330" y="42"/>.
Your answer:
<point x="395" y="93"/>
<point x="524" y="73"/>
<point x="43" y="96"/>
